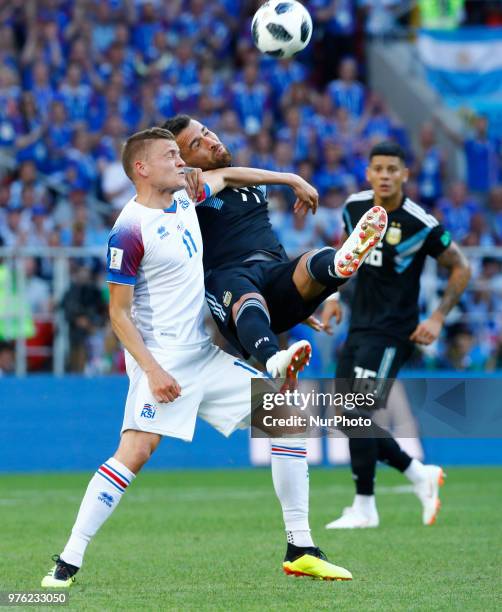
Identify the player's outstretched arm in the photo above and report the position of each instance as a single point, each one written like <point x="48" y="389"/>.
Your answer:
<point x="162" y="385"/>
<point x="459" y="274"/>
<point x="306" y="195"/>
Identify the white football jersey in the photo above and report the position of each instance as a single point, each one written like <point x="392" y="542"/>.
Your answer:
<point x="160" y="253"/>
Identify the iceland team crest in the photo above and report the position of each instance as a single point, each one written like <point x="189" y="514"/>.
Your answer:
<point x="184" y="203"/>
<point x="148" y="411"/>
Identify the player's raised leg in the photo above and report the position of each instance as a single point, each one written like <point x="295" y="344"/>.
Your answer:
<point x="328" y="268"/>
<point x="103" y="494"/>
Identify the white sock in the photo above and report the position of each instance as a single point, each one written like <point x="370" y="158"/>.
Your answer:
<point x="365" y="504"/>
<point x="291" y="483"/>
<point x="102" y="496"/>
<point x="416" y="471"/>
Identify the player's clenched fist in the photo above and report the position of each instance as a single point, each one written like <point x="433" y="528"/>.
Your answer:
<point x="194" y="183"/>
<point x="162" y="385"/>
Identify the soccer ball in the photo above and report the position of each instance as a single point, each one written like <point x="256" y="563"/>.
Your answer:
<point x="280" y="28"/>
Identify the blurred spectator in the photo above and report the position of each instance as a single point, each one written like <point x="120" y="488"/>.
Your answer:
<point x="115" y="184"/>
<point x="430" y="167"/>
<point x="495" y="212"/>
<point x="480" y="233"/>
<point x="7" y="358"/>
<point x="335" y="24"/>
<point x="299" y="234"/>
<point x="379" y="16"/>
<point x="328" y="219"/>
<point x="251" y="100"/>
<point x="299" y="135"/>
<point x="482" y="153"/>
<point x="85" y="312"/>
<point x="377" y="123"/>
<point x="456" y="211"/>
<point x="37" y="292"/>
<point x="346" y="92"/>
<point x="333" y="173"/>
<point x="462" y="353"/>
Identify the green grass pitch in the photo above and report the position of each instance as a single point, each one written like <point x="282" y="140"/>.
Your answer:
<point x="200" y="540"/>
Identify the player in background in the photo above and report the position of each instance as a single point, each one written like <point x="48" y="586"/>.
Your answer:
<point x="384" y="322"/>
<point x="253" y="290"/>
<point x="156" y="283"/>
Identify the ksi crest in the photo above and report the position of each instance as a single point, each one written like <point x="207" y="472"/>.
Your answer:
<point x="393" y="235"/>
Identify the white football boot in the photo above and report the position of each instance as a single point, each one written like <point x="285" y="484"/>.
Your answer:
<point x="288" y="363"/>
<point x="365" y="237"/>
<point x="355" y="518"/>
<point x="427" y="492"/>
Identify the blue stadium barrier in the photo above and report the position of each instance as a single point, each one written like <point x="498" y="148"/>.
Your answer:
<point x="73" y="423"/>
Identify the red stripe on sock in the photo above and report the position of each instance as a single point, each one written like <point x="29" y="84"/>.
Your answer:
<point x="114" y="476"/>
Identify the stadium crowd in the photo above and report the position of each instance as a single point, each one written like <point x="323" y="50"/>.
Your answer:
<point x="76" y="77"/>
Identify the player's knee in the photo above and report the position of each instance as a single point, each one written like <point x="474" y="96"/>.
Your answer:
<point x="136" y="448"/>
<point x="237" y="307"/>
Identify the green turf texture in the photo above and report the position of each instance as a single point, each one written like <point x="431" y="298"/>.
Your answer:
<point x="214" y="540"/>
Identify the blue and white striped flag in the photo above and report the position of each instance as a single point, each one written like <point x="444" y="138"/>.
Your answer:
<point x="464" y="62"/>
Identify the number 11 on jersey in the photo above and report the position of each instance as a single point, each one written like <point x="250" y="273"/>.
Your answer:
<point x="189" y="243"/>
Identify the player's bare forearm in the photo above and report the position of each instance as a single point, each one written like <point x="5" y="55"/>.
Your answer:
<point x="460" y="272"/>
<point x="125" y="329"/>
<point x="245" y="177"/>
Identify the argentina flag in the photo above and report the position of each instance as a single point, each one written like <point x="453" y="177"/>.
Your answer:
<point x="463" y="63"/>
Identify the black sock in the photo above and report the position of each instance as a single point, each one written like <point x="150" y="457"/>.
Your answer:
<point x="363" y="457"/>
<point x="321" y="267"/>
<point x="253" y="330"/>
<point x="391" y="453"/>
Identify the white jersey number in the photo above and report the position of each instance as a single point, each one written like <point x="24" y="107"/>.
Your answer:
<point x="244" y="191"/>
<point x="375" y="258"/>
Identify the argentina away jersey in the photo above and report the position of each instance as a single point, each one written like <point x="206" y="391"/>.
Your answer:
<point x="388" y="283"/>
<point x="234" y="225"/>
<point x="159" y="252"/>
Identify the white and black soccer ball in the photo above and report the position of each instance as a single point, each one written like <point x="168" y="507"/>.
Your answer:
<point x="281" y="28"/>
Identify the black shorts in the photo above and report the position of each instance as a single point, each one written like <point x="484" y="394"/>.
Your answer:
<point x="271" y="279"/>
<point x="370" y="364"/>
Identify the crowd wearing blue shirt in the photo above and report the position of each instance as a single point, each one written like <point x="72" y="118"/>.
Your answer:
<point x="77" y="77"/>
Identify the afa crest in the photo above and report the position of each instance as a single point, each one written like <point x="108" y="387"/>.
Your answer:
<point x="227" y="297"/>
<point x="393" y="235"/>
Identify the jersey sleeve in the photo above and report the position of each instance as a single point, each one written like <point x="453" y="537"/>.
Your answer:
<point x="125" y="252"/>
<point x="437" y="241"/>
<point x="205" y="195"/>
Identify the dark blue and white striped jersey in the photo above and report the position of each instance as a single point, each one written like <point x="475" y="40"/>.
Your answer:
<point x="388" y="283"/>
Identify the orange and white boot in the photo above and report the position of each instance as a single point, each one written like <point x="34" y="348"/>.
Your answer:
<point x="366" y="236"/>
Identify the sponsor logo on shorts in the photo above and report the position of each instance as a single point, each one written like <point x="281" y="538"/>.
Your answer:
<point x="106" y="498"/>
<point x="148" y="411"/>
<point x="227" y="297"/>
